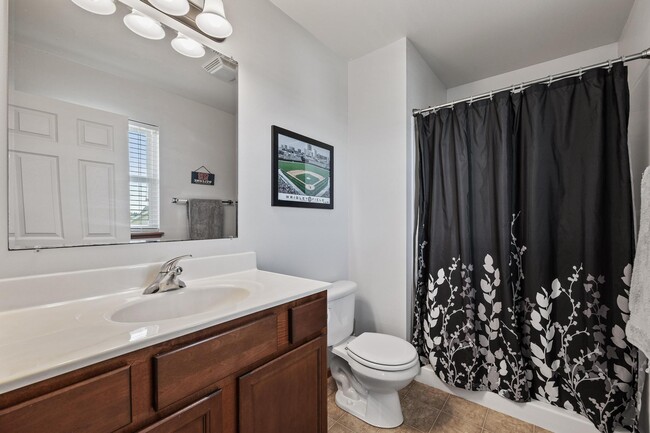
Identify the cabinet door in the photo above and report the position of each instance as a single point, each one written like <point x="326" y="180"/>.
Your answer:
<point x="288" y="394"/>
<point x="204" y="416"/>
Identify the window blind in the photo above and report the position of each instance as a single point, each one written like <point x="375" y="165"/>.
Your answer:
<point x="143" y="175"/>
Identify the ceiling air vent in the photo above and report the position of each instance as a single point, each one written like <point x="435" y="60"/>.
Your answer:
<point x="222" y="67"/>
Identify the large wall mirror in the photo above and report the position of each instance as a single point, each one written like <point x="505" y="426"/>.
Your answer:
<point x="105" y="129"/>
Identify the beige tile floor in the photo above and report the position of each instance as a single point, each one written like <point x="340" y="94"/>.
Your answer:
<point x="429" y="410"/>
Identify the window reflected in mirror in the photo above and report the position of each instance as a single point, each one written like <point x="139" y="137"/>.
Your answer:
<point x="144" y="182"/>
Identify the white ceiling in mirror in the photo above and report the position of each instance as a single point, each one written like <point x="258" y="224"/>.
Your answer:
<point x="464" y="41"/>
<point x="117" y="50"/>
<point x="100" y="7"/>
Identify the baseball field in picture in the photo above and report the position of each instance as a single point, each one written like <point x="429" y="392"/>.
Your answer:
<point x="303" y="171"/>
<point x="309" y="179"/>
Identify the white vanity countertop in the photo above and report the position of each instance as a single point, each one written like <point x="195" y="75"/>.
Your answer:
<point x="39" y="342"/>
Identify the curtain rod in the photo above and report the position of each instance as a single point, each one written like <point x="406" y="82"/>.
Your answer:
<point x="548" y="80"/>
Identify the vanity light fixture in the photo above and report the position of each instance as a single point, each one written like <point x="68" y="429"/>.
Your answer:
<point x="144" y="26"/>
<point x="187" y="46"/>
<point x="172" y="7"/>
<point x="213" y="20"/>
<point x="99" y="7"/>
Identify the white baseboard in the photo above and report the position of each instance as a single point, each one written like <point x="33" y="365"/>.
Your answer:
<point x="535" y="412"/>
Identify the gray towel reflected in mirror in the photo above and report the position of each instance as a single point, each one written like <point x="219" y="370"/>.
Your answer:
<point x="205" y="218"/>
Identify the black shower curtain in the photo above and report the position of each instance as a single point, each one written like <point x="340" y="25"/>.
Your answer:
<point x="525" y="242"/>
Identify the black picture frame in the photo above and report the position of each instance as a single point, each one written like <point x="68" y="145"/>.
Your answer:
<point x="292" y="185"/>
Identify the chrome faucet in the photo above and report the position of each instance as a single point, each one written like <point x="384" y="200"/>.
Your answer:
<point x="167" y="279"/>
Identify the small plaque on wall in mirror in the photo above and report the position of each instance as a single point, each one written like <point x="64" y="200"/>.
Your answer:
<point x="202" y="177"/>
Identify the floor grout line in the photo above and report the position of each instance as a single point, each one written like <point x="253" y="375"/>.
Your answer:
<point x="436" y="420"/>
<point x="342" y="426"/>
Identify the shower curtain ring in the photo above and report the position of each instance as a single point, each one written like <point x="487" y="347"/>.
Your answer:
<point x="580" y="74"/>
<point x="490" y="95"/>
<point x="610" y="64"/>
<point x="550" y="80"/>
<point x="471" y="99"/>
<point x="521" y="88"/>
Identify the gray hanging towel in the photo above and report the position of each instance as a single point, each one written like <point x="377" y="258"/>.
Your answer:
<point x="638" y="327"/>
<point x="205" y="218"/>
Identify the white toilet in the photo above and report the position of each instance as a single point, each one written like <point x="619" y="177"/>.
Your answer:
<point x="368" y="369"/>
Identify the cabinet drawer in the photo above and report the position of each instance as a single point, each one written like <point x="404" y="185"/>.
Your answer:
<point x="184" y="371"/>
<point x="100" y="404"/>
<point x="204" y="416"/>
<point x="308" y="320"/>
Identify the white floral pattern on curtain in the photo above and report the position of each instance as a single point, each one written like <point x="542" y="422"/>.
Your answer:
<point x="553" y="355"/>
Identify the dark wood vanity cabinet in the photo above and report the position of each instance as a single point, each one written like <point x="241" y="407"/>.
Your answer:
<point x="262" y="373"/>
<point x="286" y="394"/>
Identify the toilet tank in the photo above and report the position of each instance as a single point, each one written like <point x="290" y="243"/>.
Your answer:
<point x="340" y="311"/>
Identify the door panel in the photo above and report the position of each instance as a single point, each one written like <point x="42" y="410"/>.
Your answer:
<point x="34" y="123"/>
<point x="89" y="182"/>
<point x="97" y="200"/>
<point x="36" y="198"/>
<point x="286" y="394"/>
<point x="95" y="135"/>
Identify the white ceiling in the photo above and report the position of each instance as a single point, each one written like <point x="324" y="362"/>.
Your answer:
<point x="464" y="40"/>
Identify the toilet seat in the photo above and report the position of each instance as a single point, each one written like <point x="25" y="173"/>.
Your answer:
<point x="382" y="352"/>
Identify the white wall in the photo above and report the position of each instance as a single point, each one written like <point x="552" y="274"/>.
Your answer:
<point x="574" y="61"/>
<point x="635" y="38"/>
<point x="192" y="134"/>
<point x="384" y="86"/>
<point x="423" y="89"/>
<point x="286" y="78"/>
<point x="377" y="172"/>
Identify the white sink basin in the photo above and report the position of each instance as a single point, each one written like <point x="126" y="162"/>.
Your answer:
<point x="181" y="303"/>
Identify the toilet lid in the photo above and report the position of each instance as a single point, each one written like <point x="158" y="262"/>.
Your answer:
<point x="381" y="350"/>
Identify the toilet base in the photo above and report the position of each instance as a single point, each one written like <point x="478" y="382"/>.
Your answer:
<point x="369" y="394"/>
<point x="378" y="409"/>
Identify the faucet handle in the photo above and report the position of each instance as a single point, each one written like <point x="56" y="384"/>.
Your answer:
<point x="171" y="264"/>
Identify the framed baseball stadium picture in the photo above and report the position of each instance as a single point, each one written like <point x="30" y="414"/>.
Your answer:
<point x="302" y="172"/>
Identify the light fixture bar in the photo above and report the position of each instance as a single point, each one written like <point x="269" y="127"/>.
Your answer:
<point x="172" y="7"/>
<point x="185" y="24"/>
<point x="189" y="19"/>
